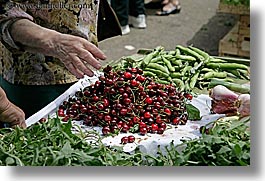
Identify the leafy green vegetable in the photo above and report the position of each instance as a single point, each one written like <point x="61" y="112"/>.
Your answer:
<point x="193" y="112"/>
<point x="227" y="144"/>
<point x="53" y="144"/>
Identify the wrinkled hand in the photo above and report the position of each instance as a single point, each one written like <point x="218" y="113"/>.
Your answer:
<point x="76" y="52"/>
<point x="13" y="115"/>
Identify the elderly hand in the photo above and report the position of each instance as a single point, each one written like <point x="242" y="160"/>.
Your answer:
<point x="75" y="52"/>
<point x="9" y="113"/>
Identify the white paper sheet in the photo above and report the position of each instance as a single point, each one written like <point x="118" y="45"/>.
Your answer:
<point x="147" y="143"/>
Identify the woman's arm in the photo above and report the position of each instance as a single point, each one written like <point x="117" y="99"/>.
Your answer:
<point x="75" y="52"/>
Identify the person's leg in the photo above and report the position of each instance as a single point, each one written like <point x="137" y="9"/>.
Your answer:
<point x="136" y="7"/>
<point x="121" y="8"/>
<point x="32" y="98"/>
<point x="137" y="13"/>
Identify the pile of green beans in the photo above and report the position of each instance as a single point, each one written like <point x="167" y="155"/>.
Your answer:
<point x="187" y="67"/>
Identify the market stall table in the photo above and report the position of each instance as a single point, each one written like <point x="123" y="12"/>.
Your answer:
<point x="147" y="143"/>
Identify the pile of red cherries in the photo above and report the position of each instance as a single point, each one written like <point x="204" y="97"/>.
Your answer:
<point x="127" y="101"/>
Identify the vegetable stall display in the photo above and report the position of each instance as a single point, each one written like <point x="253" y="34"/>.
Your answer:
<point x="144" y="96"/>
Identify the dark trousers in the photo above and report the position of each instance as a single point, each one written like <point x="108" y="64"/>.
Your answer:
<point x="32" y="98"/>
<point x="124" y="8"/>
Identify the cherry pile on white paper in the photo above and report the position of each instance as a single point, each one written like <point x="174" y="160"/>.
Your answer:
<point x="127" y="101"/>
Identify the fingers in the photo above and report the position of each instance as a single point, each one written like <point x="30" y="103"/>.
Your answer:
<point x="14" y="116"/>
<point x="74" y="70"/>
<point x="90" y="59"/>
<point x="82" y="68"/>
<point x="94" y="50"/>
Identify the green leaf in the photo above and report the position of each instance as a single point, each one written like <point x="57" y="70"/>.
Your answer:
<point x="224" y="150"/>
<point x="10" y="161"/>
<point x="237" y="150"/>
<point x="67" y="150"/>
<point x="193" y="112"/>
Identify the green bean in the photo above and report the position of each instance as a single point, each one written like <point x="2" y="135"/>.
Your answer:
<point x="156" y="59"/>
<point x="149" y="57"/>
<point x="202" y="53"/>
<point x="168" y="64"/>
<point x="179" y="84"/>
<point x="167" y="56"/>
<point x="216" y="60"/>
<point x="172" y="52"/>
<point x="185" y="57"/>
<point x="149" y="74"/>
<point x="158" y="67"/>
<point x="186" y="69"/>
<point x="188" y="51"/>
<point x="209" y="75"/>
<point x="162" y="81"/>
<point x="244" y="74"/>
<point x="187" y="85"/>
<point x="177" y="51"/>
<point x="232" y="86"/>
<point x="176" y="62"/>
<point x="193" y="79"/>
<point x="236" y="73"/>
<point x="206" y="70"/>
<point x="157" y="72"/>
<point x="227" y="66"/>
<point x="175" y="75"/>
<point x="177" y="68"/>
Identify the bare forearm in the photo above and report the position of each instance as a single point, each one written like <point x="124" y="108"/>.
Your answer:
<point x="3" y="100"/>
<point x="32" y="37"/>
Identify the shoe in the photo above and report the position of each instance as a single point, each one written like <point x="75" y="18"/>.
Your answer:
<point x="125" y="30"/>
<point x="137" y="22"/>
<point x="174" y="10"/>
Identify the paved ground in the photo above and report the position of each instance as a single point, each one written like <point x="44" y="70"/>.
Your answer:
<point x="198" y="23"/>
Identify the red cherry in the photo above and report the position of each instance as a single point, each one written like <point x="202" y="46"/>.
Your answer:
<point x="131" y="139"/>
<point x="140" y="78"/>
<point x="124" y="140"/>
<point x="143" y="130"/>
<point x="42" y="120"/>
<point x="106" y="130"/>
<point x="167" y="111"/>
<point x="134" y="70"/>
<point x="148" y="100"/>
<point x="160" y="130"/>
<point x="127" y="75"/>
<point x="176" y="121"/>
<point x="61" y="113"/>
<point x="163" y="125"/>
<point x="125" y="128"/>
<point x="188" y="96"/>
<point x="147" y="115"/>
<point x="107" y="118"/>
<point x="105" y="102"/>
<point x="134" y="83"/>
<point x="123" y="111"/>
<point x="142" y="125"/>
<point x="154" y="127"/>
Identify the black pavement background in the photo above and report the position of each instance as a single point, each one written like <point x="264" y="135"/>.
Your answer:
<point x="199" y="23"/>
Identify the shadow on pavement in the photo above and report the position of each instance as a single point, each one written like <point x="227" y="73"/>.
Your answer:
<point x="209" y="35"/>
